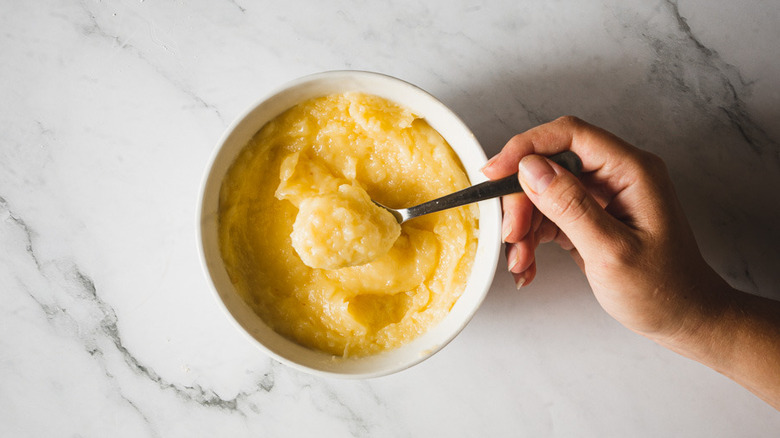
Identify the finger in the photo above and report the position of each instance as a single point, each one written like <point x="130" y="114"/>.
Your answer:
<point x="517" y="220"/>
<point x="520" y="255"/>
<point x="511" y="256"/>
<point x="536" y="219"/>
<point x="601" y="152"/>
<point x="505" y="162"/>
<point x="547" y="231"/>
<point x="597" y="189"/>
<point x="563" y="241"/>
<point x="526" y="277"/>
<point x="563" y="199"/>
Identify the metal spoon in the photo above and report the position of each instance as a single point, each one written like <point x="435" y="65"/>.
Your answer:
<point x="486" y="190"/>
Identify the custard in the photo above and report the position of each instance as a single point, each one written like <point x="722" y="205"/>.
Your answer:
<point x="310" y="253"/>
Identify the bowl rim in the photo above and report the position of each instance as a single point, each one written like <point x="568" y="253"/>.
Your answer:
<point x="489" y="244"/>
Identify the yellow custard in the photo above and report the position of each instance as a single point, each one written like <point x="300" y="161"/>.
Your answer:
<point x="339" y="229"/>
<point x="308" y="250"/>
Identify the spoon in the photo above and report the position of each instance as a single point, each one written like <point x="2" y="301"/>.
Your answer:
<point x="486" y="190"/>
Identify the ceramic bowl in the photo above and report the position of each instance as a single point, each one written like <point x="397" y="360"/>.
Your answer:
<point x="440" y="118"/>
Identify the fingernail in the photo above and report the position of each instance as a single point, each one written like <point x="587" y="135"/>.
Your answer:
<point x="513" y="259"/>
<point x="506" y="226"/>
<point x="519" y="282"/>
<point x="536" y="172"/>
<point x="490" y="162"/>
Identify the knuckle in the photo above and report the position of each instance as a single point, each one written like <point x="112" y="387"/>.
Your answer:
<point x="516" y="138"/>
<point x="654" y="161"/>
<point x="652" y="164"/>
<point x="571" y="203"/>
<point x="573" y="121"/>
<point x="652" y="173"/>
<point x="515" y="143"/>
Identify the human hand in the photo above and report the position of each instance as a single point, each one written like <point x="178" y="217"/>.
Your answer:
<point x="621" y="222"/>
<point x="625" y="228"/>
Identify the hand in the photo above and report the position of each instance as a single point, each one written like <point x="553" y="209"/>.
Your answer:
<point x="623" y="225"/>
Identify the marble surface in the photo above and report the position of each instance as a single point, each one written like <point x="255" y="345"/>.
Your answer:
<point x="110" y="111"/>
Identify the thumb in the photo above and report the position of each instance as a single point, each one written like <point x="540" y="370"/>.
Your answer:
<point x="563" y="199"/>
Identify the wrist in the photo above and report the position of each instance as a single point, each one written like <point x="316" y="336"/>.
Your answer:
<point x="738" y="339"/>
<point x="707" y="325"/>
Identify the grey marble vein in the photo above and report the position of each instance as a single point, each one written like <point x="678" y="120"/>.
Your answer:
<point x="240" y="8"/>
<point x="28" y="233"/>
<point x="94" y="28"/>
<point x="151" y="429"/>
<point x="729" y="85"/>
<point x="103" y="143"/>
<point x="362" y="416"/>
<point x="332" y="405"/>
<point x="86" y="294"/>
<point x="109" y="327"/>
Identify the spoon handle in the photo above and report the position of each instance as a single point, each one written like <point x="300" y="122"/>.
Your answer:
<point x="491" y="189"/>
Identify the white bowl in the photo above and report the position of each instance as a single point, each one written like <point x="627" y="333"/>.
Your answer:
<point x="440" y="118"/>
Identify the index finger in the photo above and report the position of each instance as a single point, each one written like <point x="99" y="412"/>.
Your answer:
<point x="601" y="152"/>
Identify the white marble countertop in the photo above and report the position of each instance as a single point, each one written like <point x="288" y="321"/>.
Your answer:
<point x="110" y="111"/>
